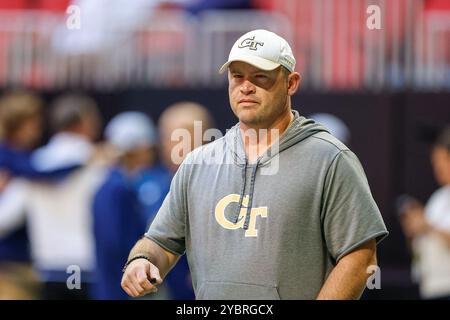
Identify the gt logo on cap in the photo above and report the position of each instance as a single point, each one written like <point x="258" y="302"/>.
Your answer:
<point x="250" y="43"/>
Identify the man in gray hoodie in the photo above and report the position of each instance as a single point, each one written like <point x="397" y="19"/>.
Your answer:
<point x="276" y="209"/>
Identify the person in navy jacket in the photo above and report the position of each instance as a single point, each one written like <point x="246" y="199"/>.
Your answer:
<point x="119" y="219"/>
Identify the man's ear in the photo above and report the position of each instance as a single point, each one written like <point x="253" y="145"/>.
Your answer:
<point x="294" y="80"/>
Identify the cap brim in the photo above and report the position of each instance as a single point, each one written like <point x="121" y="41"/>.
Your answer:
<point x="255" y="61"/>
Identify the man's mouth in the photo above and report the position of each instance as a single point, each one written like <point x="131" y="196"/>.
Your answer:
<point x="248" y="101"/>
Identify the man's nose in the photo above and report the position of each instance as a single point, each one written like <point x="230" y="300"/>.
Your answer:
<point x="247" y="87"/>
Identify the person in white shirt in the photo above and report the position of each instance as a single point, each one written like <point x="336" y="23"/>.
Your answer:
<point x="428" y="227"/>
<point x="59" y="212"/>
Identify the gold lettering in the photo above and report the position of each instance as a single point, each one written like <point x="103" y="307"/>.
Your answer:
<point x="227" y="224"/>
<point x="251" y="231"/>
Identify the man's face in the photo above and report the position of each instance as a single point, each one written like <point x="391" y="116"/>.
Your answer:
<point x="257" y="97"/>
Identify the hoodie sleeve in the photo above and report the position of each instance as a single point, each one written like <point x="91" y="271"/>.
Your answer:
<point x="168" y="227"/>
<point x="350" y="215"/>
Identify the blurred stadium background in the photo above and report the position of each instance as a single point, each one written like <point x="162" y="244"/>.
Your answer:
<point x="391" y="87"/>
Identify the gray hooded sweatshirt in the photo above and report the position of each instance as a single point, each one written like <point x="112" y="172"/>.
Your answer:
<point x="273" y="229"/>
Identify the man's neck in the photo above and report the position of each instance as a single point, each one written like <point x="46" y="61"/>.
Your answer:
<point x="258" y="139"/>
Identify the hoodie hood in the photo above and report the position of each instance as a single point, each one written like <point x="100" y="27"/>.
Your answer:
<point x="300" y="129"/>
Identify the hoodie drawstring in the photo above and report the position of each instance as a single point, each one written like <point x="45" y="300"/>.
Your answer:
<point x="241" y="196"/>
<point x="250" y="200"/>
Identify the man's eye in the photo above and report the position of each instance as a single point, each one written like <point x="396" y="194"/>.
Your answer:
<point x="261" y="76"/>
<point x="238" y="76"/>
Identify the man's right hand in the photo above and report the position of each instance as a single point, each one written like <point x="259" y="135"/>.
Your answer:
<point x="136" y="279"/>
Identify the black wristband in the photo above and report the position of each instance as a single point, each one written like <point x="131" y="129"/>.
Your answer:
<point x="141" y="256"/>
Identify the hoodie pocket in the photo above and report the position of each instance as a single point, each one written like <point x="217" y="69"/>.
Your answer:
<point x="219" y="290"/>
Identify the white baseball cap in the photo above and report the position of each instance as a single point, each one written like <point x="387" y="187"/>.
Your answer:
<point x="130" y="130"/>
<point x="262" y="49"/>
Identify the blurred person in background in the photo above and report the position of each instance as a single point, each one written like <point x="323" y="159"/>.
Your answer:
<point x="152" y="184"/>
<point x="119" y="219"/>
<point x="181" y="115"/>
<point x="153" y="181"/>
<point x="335" y="125"/>
<point x="20" y="131"/>
<point x="428" y="228"/>
<point x="59" y="212"/>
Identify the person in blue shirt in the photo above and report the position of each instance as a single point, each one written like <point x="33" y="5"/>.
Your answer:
<point x="152" y="185"/>
<point x="119" y="219"/>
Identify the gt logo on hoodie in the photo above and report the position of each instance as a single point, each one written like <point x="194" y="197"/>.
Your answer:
<point x="227" y="224"/>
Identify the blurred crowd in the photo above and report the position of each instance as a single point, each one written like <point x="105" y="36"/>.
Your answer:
<point x="175" y="43"/>
<point x="72" y="208"/>
<point x="427" y="227"/>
